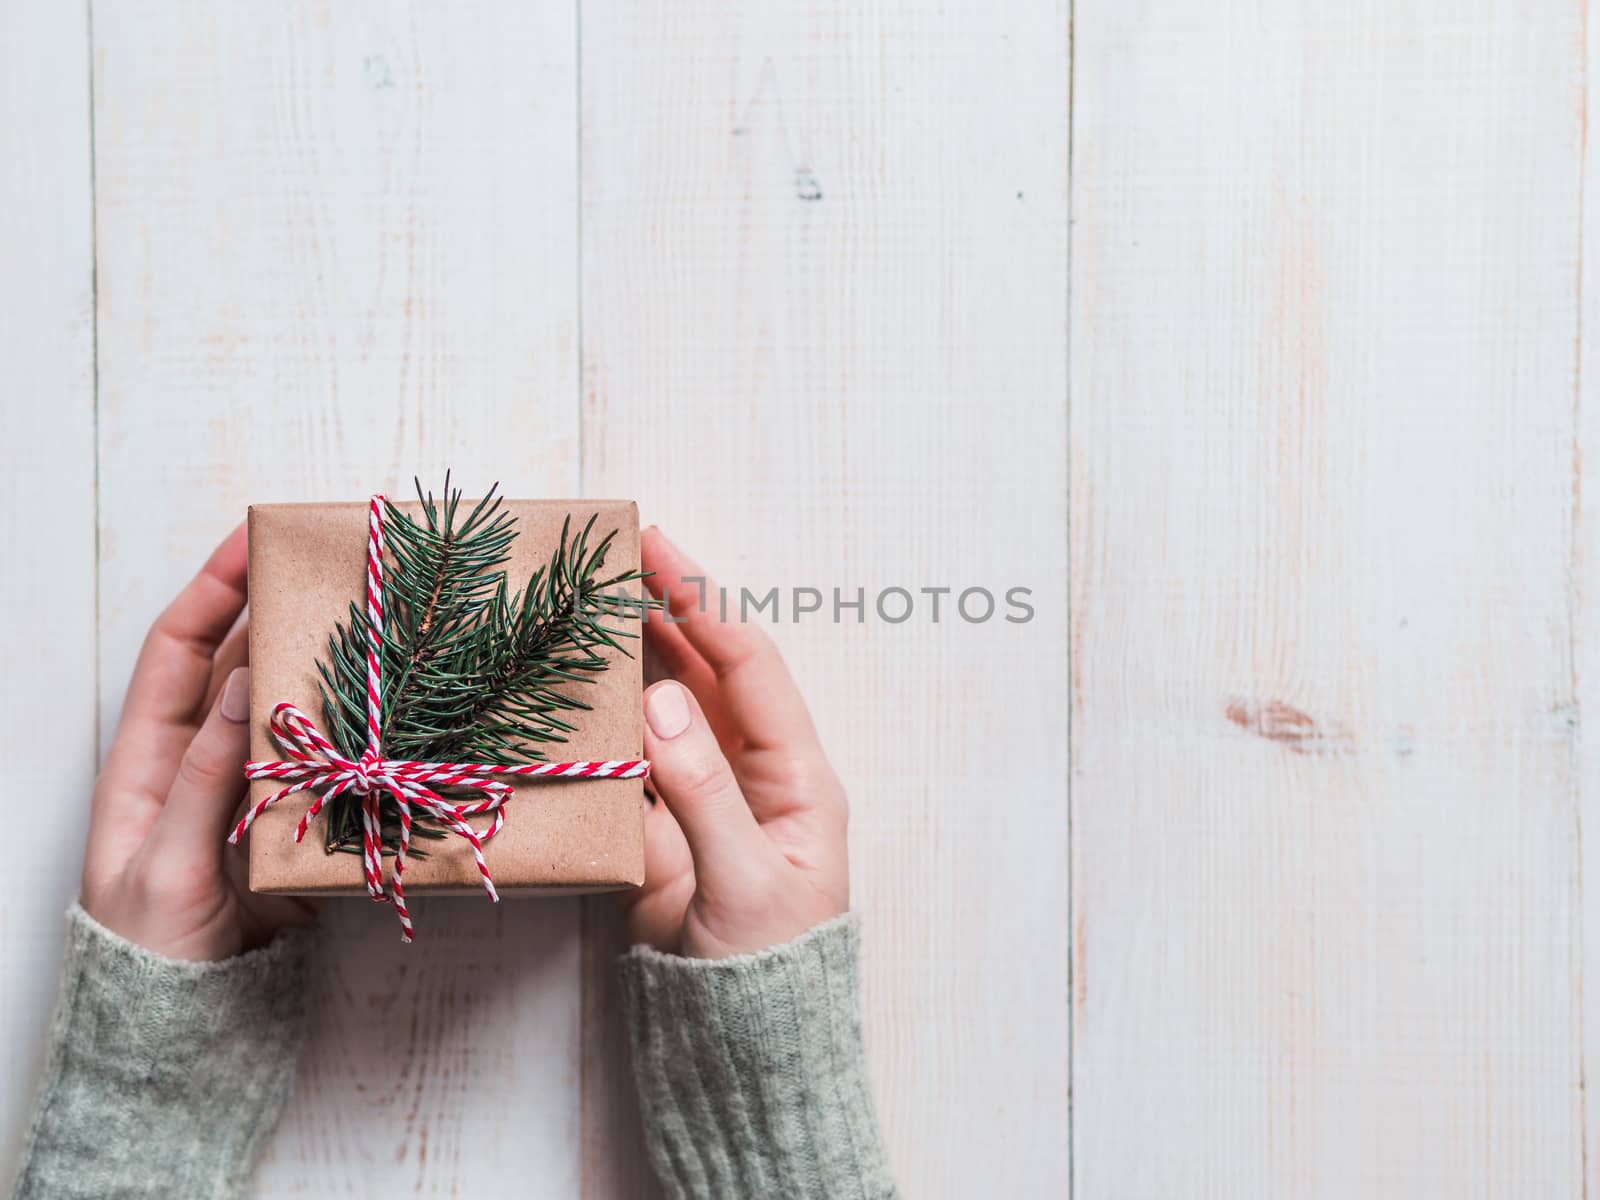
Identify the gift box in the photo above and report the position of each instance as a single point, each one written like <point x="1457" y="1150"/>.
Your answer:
<point x="561" y="835"/>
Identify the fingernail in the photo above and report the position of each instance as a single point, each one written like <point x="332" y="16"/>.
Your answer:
<point x="667" y="710"/>
<point x="235" y="704"/>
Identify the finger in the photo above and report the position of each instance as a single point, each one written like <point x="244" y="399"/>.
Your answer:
<point x="693" y="777"/>
<point x="233" y="653"/>
<point x="654" y="912"/>
<point x="210" y="779"/>
<point x="761" y="698"/>
<point x="666" y="851"/>
<point x="169" y="680"/>
<point x="164" y="704"/>
<point x="682" y="662"/>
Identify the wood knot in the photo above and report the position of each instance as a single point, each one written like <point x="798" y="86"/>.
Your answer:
<point x="1288" y="726"/>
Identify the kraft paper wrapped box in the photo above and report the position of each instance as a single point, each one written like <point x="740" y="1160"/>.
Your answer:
<point x="307" y="564"/>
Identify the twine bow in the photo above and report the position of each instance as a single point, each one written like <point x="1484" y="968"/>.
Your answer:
<point x="315" y="763"/>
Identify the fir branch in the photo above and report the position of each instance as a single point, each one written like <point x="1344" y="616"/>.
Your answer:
<point x="471" y="671"/>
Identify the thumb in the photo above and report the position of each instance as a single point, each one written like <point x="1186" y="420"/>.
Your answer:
<point x="210" y="780"/>
<point x="693" y="776"/>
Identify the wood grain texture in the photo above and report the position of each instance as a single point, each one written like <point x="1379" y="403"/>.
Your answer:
<point x="824" y="256"/>
<point x="1584" y="715"/>
<point x="1334" y="448"/>
<point x="338" y="245"/>
<point x="1324" y="282"/>
<point x="47" y="633"/>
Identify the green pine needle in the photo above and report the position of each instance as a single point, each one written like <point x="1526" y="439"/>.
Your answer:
<point x="472" y="672"/>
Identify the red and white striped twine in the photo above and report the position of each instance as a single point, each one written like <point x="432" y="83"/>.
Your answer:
<point x="314" y="763"/>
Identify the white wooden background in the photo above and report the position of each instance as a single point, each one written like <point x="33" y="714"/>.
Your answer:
<point x="1269" y="316"/>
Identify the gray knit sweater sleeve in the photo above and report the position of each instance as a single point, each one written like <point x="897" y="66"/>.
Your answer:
<point x="162" y="1076"/>
<point x="751" y="1072"/>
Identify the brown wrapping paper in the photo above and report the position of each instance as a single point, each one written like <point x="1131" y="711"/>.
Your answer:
<point x="307" y="563"/>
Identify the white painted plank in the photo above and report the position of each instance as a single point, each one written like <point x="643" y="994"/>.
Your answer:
<point x="337" y="246"/>
<point x="1324" y="280"/>
<point x="1583" y="715"/>
<point x="47" y="588"/>
<point x="824" y="345"/>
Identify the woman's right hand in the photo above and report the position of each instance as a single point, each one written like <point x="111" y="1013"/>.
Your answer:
<point x="748" y="851"/>
<point x="157" y="870"/>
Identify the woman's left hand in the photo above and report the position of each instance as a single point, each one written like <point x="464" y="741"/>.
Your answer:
<point x="158" y="870"/>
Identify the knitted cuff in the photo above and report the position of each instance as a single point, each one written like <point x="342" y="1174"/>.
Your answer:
<point x="751" y="1071"/>
<point x="163" y="1076"/>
